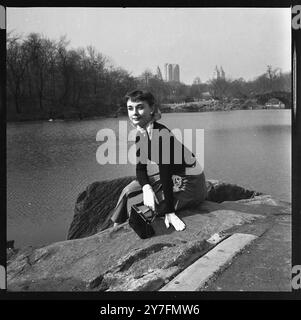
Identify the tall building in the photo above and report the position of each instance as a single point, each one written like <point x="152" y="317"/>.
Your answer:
<point x="159" y="74"/>
<point x="219" y="73"/>
<point x="166" y="71"/>
<point x="176" y="72"/>
<point x="172" y="72"/>
<point x="216" y="73"/>
<point x="222" y="73"/>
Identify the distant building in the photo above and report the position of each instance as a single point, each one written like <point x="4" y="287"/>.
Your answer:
<point x="216" y="73"/>
<point x="169" y="72"/>
<point x="197" y="80"/>
<point x="222" y="73"/>
<point x="206" y="95"/>
<point x="219" y="73"/>
<point x="176" y="72"/>
<point x="159" y="74"/>
<point x="172" y="72"/>
<point x="165" y="71"/>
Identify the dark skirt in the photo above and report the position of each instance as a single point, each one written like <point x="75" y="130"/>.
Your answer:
<point x="188" y="192"/>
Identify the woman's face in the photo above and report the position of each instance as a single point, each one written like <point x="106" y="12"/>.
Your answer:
<point x="140" y="112"/>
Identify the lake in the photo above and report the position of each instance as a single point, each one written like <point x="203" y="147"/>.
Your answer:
<point x="50" y="163"/>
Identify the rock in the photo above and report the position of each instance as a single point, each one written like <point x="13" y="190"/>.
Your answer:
<point x="10" y="249"/>
<point x="94" y="205"/>
<point x="264" y="200"/>
<point x="107" y="259"/>
<point x="221" y="191"/>
<point x="118" y="260"/>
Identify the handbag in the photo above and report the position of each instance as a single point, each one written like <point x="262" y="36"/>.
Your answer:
<point x="140" y="220"/>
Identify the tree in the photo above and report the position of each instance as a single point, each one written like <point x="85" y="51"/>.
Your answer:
<point x="16" y="66"/>
<point x="38" y="52"/>
<point x="219" y="88"/>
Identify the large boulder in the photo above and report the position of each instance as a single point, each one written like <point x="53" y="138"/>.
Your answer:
<point x="93" y="207"/>
<point x="116" y="259"/>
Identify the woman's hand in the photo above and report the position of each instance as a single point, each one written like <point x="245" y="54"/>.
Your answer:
<point x="172" y="218"/>
<point x="149" y="197"/>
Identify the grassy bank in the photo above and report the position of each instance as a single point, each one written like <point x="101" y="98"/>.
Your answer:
<point x="213" y="105"/>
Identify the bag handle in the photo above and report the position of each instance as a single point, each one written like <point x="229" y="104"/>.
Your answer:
<point x="142" y="204"/>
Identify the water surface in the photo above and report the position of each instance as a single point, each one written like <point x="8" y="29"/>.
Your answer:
<point x="50" y="163"/>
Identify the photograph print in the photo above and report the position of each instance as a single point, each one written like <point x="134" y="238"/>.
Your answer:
<point x="148" y="149"/>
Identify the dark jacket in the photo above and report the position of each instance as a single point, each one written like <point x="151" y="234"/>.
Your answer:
<point x="157" y="151"/>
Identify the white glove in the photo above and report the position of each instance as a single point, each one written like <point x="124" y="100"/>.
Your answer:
<point x="149" y="197"/>
<point x="172" y="218"/>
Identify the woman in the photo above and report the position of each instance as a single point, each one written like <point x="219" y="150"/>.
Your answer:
<point x="177" y="184"/>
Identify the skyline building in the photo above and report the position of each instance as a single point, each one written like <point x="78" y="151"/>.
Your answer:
<point x="172" y="72"/>
<point x="197" y="80"/>
<point x="176" y="72"/>
<point x="219" y="73"/>
<point x="159" y="74"/>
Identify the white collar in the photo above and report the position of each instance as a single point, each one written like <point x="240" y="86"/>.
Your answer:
<point x="149" y="129"/>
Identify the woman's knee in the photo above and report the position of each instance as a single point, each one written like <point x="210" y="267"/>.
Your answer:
<point x="132" y="187"/>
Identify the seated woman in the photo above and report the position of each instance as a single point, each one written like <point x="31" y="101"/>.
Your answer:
<point x="178" y="184"/>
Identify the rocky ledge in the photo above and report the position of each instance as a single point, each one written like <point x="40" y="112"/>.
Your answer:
<point x="100" y="258"/>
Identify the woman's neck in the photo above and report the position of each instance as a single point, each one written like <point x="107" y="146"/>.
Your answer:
<point x="146" y="125"/>
<point x="146" y="129"/>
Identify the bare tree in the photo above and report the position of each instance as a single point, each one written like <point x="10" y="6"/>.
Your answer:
<point x="16" y="66"/>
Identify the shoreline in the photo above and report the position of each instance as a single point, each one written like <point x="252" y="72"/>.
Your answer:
<point x="218" y="191"/>
<point x="124" y="115"/>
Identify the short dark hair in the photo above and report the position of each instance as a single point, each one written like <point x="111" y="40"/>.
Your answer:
<point x="141" y="95"/>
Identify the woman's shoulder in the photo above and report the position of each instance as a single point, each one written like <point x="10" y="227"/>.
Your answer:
<point x="160" y="126"/>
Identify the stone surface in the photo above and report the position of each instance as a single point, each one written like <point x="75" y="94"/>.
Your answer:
<point x="99" y="258"/>
<point x="94" y="205"/>
<point x="219" y="191"/>
<point x="265" y="265"/>
<point x="201" y="271"/>
<point x="117" y="259"/>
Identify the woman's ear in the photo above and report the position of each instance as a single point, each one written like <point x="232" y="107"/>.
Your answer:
<point x="157" y="115"/>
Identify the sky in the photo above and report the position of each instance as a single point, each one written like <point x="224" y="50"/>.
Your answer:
<point x="241" y="40"/>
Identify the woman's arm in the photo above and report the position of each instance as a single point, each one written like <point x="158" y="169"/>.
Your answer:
<point x="167" y="186"/>
<point x="166" y="172"/>
<point x="149" y="197"/>
<point x="141" y="174"/>
<point x="141" y="165"/>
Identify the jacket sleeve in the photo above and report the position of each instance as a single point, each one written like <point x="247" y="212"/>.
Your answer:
<point x="166" y="171"/>
<point x="141" y="166"/>
<point x="173" y="167"/>
<point x="167" y="187"/>
<point x="141" y="174"/>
